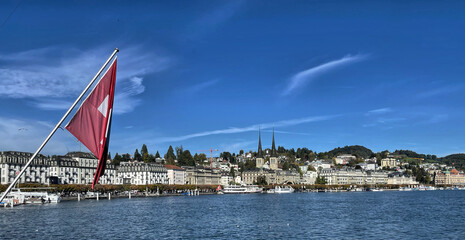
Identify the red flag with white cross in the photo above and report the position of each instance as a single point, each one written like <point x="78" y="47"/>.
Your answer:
<point x="92" y="122"/>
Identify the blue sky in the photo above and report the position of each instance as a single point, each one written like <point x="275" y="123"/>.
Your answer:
<point x="383" y="74"/>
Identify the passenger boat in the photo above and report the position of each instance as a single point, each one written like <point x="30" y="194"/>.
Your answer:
<point x="40" y="197"/>
<point x="231" y="189"/>
<point x="279" y="190"/>
<point x="376" y="190"/>
<point x="13" y="198"/>
<point x="19" y="197"/>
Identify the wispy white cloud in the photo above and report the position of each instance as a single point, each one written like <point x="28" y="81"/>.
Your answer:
<point x="386" y="122"/>
<point x="440" y="91"/>
<point x="60" y="73"/>
<point x="255" y="127"/>
<point x="437" y="118"/>
<point x="51" y="104"/>
<point x="201" y="86"/>
<point x="213" y="19"/>
<point x="287" y="132"/>
<point x="306" y="76"/>
<point x="391" y="120"/>
<point x="125" y="100"/>
<point x="379" y="111"/>
<point x="236" y="146"/>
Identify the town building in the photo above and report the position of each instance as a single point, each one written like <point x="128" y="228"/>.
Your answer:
<point x="64" y="170"/>
<point x="321" y="164"/>
<point x="224" y="167"/>
<point x="140" y="173"/>
<point x="389" y="162"/>
<point x="226" y="179"/>
<point x="202" y="175"/>
<point x="309" y="177"/>
<point x="176" y="175"/>
<point x="375" y="178"/>
<point x="87" y="166"/>
<point x="368" y="166"/>
<point x="79" y="168"/>
<point x="353" y="177"/>
<point x="452" y="177"/>
<point x="11" y="163"/>
<point x="344" y="159"/>
<point x="250" y="177"/>
<point x="400" y="178"/>
<point x="287" y="177"/>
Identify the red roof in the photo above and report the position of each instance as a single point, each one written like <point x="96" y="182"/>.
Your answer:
<point x="454" y="171"/>
<point x="173" y="167"/>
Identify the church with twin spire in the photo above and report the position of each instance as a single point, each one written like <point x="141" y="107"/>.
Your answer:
<point x="260" y="160"/>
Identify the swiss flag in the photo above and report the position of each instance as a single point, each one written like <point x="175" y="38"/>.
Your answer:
<point x="92" y="122"/>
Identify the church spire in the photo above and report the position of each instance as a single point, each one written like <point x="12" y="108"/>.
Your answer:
<point x="273" y="147"/>
<point x="260" y="152"/>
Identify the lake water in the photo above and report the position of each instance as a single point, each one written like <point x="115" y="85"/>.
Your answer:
<point x="352" y="215"/>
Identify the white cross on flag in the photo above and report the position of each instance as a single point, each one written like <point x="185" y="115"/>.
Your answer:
<point x="92" y="122"/>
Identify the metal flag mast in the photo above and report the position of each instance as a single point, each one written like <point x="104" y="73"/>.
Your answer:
<point x="57" y="126"/>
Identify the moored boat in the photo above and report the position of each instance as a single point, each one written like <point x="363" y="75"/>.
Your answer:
<point x="279" y="190"/>
<point x="242" y="189"/>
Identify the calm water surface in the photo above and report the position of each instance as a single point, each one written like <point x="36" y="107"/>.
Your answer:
<point x="354" y="215"/>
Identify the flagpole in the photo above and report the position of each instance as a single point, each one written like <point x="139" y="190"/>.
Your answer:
<point x="58" y="125"/>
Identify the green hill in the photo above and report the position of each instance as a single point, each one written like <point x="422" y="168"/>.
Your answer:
<point x="457" y="160"/>
<point x="359" y="151"/>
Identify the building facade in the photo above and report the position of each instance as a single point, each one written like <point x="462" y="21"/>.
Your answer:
<point x="176" y="175"/>
<point x="64" y="170"/>
<point x="140" y="173"/>
<point x="11" y="163"/>
<point x="389" y="162"/>
<point x="344" y="159"/>
<point x="226" y="179"/>
<point x="452" y="177"/>
<point x="79" y="168"/>
<point x="353" y="177"/>
<point x="202" y="176"/>
<point x="399" y="178"/>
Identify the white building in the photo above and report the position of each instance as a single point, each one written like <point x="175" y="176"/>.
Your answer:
<point x="64" y="170"/>
<point x="87" y="165"/>
<point x="226" y="179"/>
<point x="309" y="177"/>
<point x="12" y="162"/>
<point x="139" y="173"/>
<point x="176" y="175"/>
<point x="399" y="178"/>
<point x="355" y="177"/>
<point x="344" y="159"/>
<point x="238" y="179"/>
<point x="79" y="168"/>
<point x="224" y="167"/>
<point x="320" y="163"/>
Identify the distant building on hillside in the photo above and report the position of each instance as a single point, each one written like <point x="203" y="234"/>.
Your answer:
<point x="389" y="162"/>
<point x="344" y="159"/>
